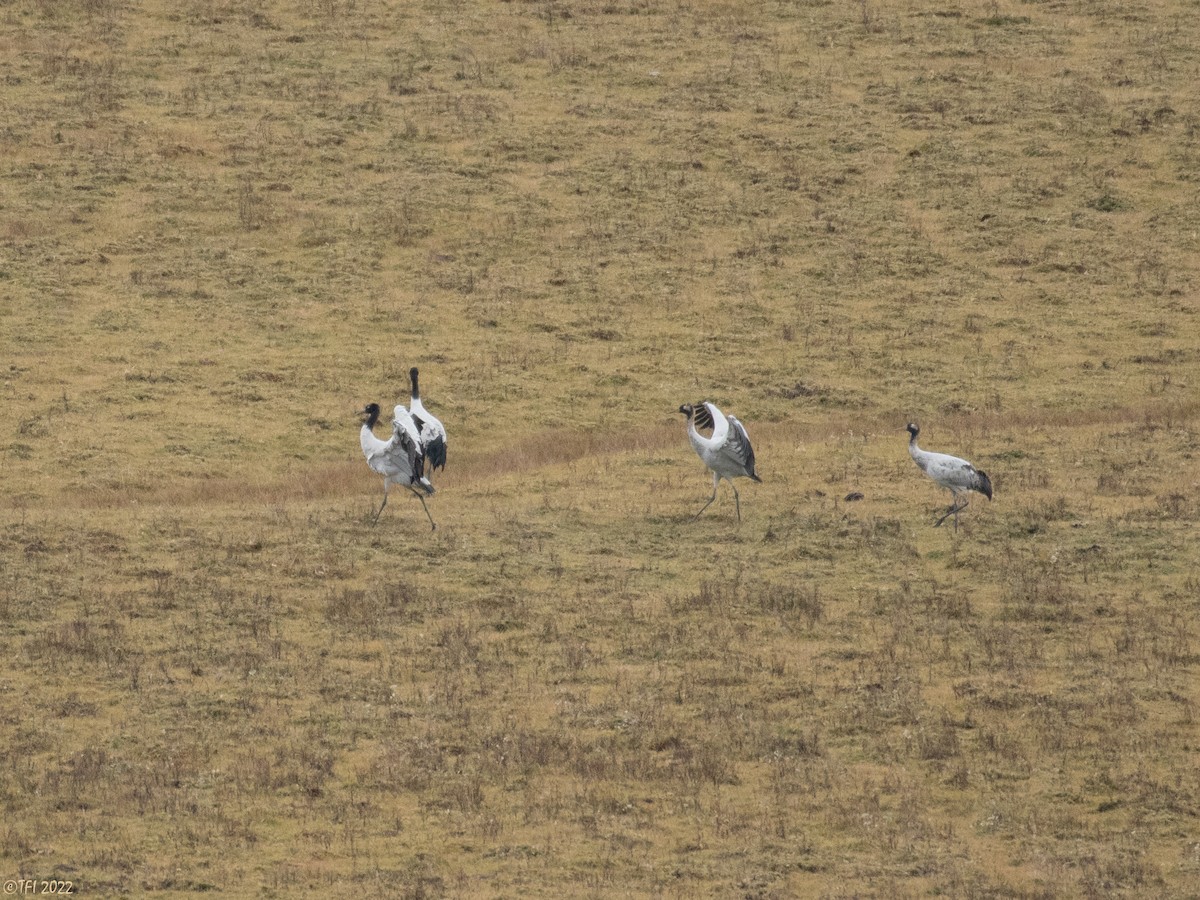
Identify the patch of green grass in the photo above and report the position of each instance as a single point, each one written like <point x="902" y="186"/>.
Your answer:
<point x="1107" y="203"/>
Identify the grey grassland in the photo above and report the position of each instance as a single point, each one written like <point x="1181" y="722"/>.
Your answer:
<point x="227" y="225"/>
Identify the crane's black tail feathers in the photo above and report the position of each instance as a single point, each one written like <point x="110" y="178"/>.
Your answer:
<point x="984" y="484"/>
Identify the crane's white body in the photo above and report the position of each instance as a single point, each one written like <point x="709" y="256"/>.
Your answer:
<point x="727" y="452"/>
<point x="399" y="460"/>
<point x="432" y="431"/>
<point x="956" y="475"/>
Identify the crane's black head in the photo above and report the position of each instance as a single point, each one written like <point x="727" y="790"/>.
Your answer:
<point x="370" y="414"/>
<point x="412" y="376"/>
<point x="913" y="430"/>
<point x="697" y="413"/>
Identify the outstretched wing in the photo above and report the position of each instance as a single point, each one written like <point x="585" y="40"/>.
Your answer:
<point x="739" y="448"/>
<point x="433" y="439"/>
<point x="402" y="420"/>
<point x="406" y="440"/>
<point x="392" y="458"/>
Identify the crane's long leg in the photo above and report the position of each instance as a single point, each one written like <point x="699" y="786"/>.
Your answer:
<point x="417" y="494"/>
<point x="381" y="506"/>
<point x="955" y="508"/>
<point x="716" y="481"/>
<point x="736" y="503"/>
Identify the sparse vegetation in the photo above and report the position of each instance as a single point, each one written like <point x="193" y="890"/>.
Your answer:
<point x="225" y="226"/>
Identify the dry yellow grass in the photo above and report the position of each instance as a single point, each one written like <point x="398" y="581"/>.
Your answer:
<point x="225" y="226"/>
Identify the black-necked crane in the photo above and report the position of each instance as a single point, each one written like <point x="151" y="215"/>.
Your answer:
<point x="956" y="475"/>
<point x="433" y="432"/>
<point x="400" y="460"/>
<point x="727" y="453"/>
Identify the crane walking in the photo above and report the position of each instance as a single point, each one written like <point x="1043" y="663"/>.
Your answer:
<point x="400" y="460"/>
<point x="956" y="475"/>
<point x="727" y="452"/>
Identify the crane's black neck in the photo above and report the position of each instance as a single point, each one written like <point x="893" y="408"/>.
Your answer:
<point x="372" y="413"/>
<point x="416" y="390"/>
